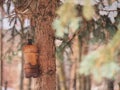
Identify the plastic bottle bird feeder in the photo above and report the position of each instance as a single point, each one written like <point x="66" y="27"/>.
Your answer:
<point x="31" y="67"/>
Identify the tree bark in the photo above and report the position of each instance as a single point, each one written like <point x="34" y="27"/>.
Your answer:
<point x="45" y="43"/>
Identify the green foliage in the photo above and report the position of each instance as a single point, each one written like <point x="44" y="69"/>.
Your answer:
<point x="111" y="28"/>
<point x="59" y="53"/>
<point x="88" y="63"/>
<point x="60" y="30"/>
<point x="106" y="70"/>
<point x="101" y="63"/>
<point x="61" y="49"/>
<point x="67" y="20"/>
<point x="88" y="10"/>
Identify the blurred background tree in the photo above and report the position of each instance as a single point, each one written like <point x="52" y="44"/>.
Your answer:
<point x="86" y="35"/>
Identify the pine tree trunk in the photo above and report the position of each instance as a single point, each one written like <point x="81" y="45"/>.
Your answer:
<point x="45" y="43"/>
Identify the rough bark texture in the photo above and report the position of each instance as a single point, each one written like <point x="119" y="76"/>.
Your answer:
<point x="46" y="46"/>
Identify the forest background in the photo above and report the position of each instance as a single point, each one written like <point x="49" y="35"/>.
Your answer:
<point x="86" y="37"/>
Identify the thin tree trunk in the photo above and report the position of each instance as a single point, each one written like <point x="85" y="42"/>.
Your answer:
<point x="29" y="84"/>
<point x="57" y="83"/>
<point x="22" y="73"/>
<point x="61" y="75"/>
<point x="6" y="85"/>
<point x="110" y="83"/>
<point x="88" y="83"/>
<point x="85" y="81"/>
<point x="1" y="27"/>
<point x="45" y="43"/>
<point x="74" y="59"/>
<point x="78" y="63"/>
<point x="82" y="78"/>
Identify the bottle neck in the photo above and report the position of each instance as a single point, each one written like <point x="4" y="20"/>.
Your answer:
<point x="29" y="42"/>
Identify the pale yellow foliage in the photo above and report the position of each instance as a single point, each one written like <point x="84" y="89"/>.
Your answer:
<point x="67" y="12"/>
<point x="88" y="10"/>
